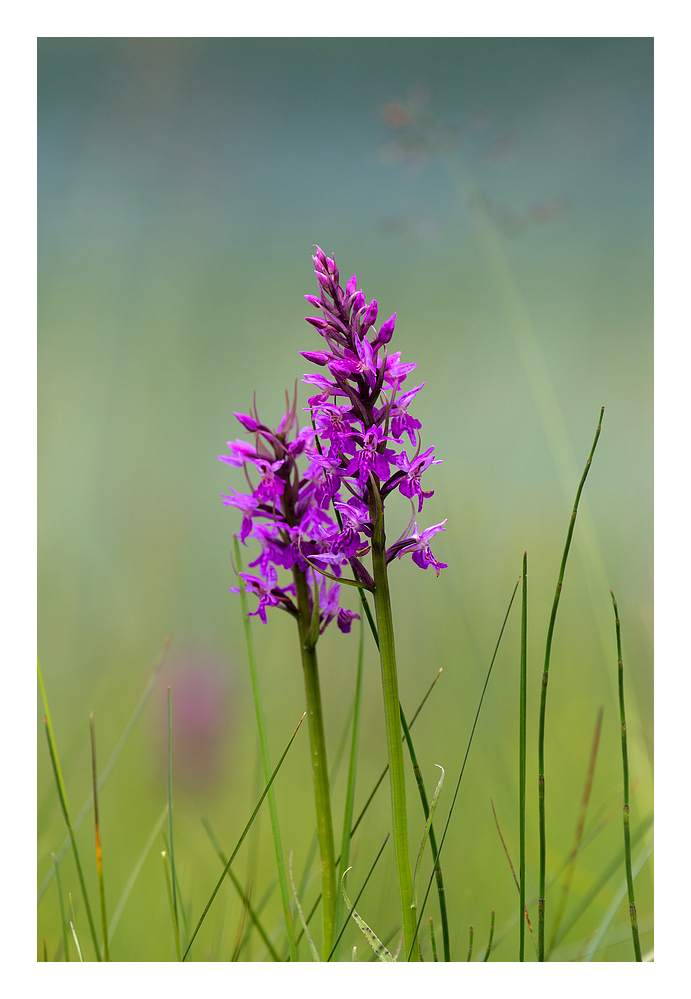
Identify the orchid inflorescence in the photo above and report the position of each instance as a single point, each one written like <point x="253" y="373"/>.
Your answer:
<point x="353" y="460"/>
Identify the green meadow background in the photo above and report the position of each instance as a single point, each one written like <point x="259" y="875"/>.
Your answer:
<point x="497" y="195"/>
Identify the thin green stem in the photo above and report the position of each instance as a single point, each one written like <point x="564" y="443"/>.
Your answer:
<point x="470" y="944"/>
<point x="242" y="838"/>
<point x="389" y="678"/>
<point x="432" y="838"/>
<point x="522" y="750"/>
<point x="491" y="938"/>
<point x="129" y="728"/>
<point x="252" y="913"/>
<point x="263" y="742"/>
<point x="625" y="763"/>
<point x="433" y="940"/>
<point x="320" y="773"/>
<point x="465" y="758"/>
<point x="170" y="818"/>
<point x="99" y="852"/>
<point x="579" y="832"/>
<point x="171" y="903"/>
<point x="350" y="789"/>
<point x="62" y="794"/>
<point x="63" y="919"/>
<point x="543" y="706"/>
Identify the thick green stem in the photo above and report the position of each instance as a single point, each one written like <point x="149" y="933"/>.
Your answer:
<point x="389" y="678"/>
<point x="320" y="774"/>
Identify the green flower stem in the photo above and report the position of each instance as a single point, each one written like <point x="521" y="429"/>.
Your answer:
<point x="320" y="774"/>
<point x="522" y="757"/>
<point x="392" y="716"/>
<point x="543" y="705"/>
<point x="625" y="760"/>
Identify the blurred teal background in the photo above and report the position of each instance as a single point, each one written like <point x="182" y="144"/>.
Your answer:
<point x="496" y="194"/>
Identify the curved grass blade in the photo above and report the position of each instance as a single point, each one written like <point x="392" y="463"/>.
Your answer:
<point x="76" y="941"/>
<point x="543" y="704"/>
<point x="315" y="952"/>
<point x="432" y="838"/>
<point x="115" y="918"/>
<point x="129" y="728"/>
<point x="63" y="920"/>
<point x="491" y="938"/>
<point x="264" y="746"/>
<point x="625" y="762"/>
<point x="242" y="837"/>
<point x="357" y="898"/>
<point x="99" y="854"/>
<point x="370" y="936"/>
<point x="425" y="834"/>
<point x="62" y="794"/>
<point x="251" y="912"/>
<point x="616" y="903"/>
<point x="465" y="759"/>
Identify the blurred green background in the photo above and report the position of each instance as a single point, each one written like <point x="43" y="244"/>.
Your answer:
<point x="496" y="194"/>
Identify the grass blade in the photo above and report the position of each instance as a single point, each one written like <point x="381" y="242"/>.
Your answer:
<point x="171" y="902"/>
<point x="129" y="728"/>
<point x="76" y="941"/>
<point x="625" y="762"/>
<point x="470" y="944"/>
<point x="62" y="794"/>
<point x="626" y="886"/>
<point x="522" y="752"/>
<point x="604" y="879"/>
<point x="370" y="936"/>
<point x="170" y="822"/>
<point x="115" y="918"/>
<point x="543" y="704"/>
<point x="465" y="758"/>
<point x="526" y="917"/>
<point x="432" y="838"/>
<point x="252" y="913"/>
<point x="99" y="853"/>
<point x="315" y="952"/>
<point x="425" y="834"/>
<point x="263" y="742"/>
<point x="62" y="910"/>
<point x="242" y="837"/>
<point x="579" y="830"/>
<point x="357" y="899"/>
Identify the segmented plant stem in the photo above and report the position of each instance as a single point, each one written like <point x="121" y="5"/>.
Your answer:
<point x="625" y="762"/>
<point x="389" y="676"/>
<point x="543" y="706"/>
<point x="522" y="758"/>
<point x="320" y="773"/>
